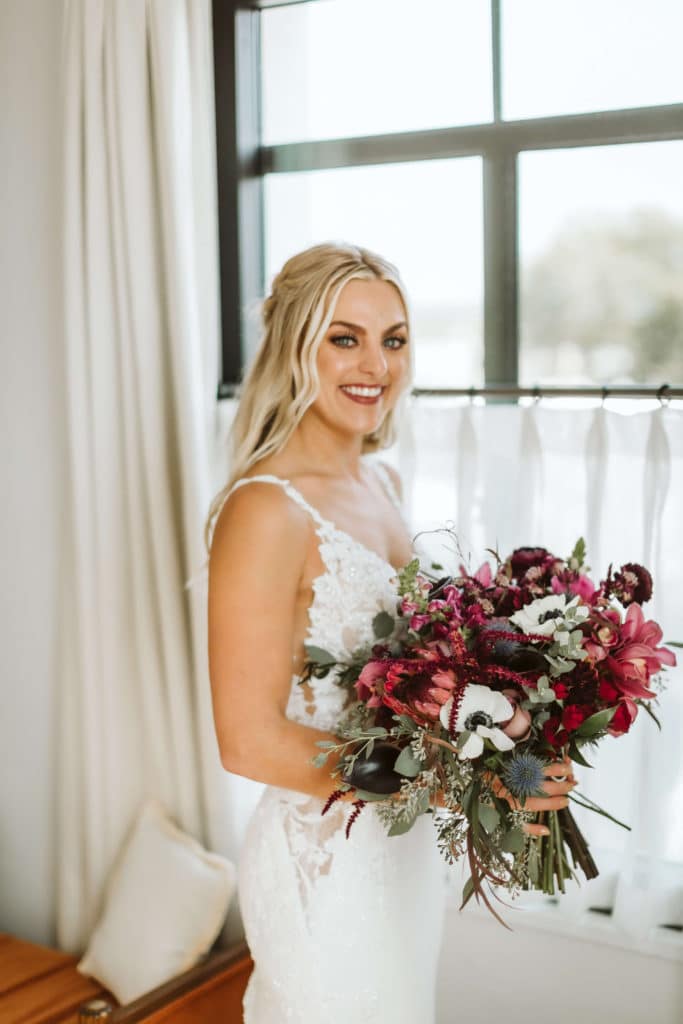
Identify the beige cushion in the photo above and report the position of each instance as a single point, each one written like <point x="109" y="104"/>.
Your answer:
<point x="165" y="902"/>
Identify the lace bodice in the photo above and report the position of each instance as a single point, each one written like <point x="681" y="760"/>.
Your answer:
<point x="355" y="585"/>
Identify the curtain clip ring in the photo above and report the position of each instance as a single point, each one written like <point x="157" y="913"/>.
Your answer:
<point x="472" y="393"/>
<point x="663" y="398"/>
<point x="605" y="393"/>
<point x="536" y="394"/>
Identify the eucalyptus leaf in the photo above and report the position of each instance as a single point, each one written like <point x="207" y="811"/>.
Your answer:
<point x="399" y="828"/>
<point x="513" y="841"/>
<point x="467" y="892"/>
<point x="319" y="760"/>
<point x="579" y="552"/>
<point x="489" y="817"/>
<point x="382" y="625"/>
<point x="376" y="730"/>
<point x="363" y="794"/>
<point x="318" y="655"/>
<point x="407" y="764"/>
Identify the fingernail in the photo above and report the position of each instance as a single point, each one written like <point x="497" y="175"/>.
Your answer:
<point x="545" y="831"/>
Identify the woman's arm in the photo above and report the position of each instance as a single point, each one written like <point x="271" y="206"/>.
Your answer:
<point x="255" y="565"/>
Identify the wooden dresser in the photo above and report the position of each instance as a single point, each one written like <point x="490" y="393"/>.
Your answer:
<point x="40" y="985"/>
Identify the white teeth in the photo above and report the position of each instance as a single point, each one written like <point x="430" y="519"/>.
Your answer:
<point x="362" y="392"/>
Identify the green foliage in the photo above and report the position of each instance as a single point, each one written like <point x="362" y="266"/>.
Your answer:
<point x="407" y="764"/>
<point x="382" y="625"/>
<point x="597" y="723"/>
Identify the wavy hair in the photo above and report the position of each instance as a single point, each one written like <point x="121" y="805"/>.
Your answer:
<point x="282" y="382"/>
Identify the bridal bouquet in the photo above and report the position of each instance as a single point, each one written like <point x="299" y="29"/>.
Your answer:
<point x="474" y="687"/>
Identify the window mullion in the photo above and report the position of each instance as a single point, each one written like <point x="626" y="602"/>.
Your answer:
<point x="501" y="322"/>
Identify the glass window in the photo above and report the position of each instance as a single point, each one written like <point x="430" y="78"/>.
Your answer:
<point x="601" y="265"/>
<point x="573" y="56"/>
<point x="427" y="219"/>
<point x="362" y="67"/>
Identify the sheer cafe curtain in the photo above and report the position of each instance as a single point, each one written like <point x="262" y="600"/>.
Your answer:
<point x="141" y="344"/>
<point x="507" y="476"/>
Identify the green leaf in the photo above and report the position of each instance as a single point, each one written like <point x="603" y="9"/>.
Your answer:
<point x="318" y="655"/>
<point x="363" y="794"/>
<point x="325" y="744"/>
<point x="646" y="707"/>
<point x="376" y="730"/>
<point x="673" y="643"/>
<point x="463" y="738"/>
<point x="579" y="552"/>
<point x="399" y="828"/>
<point x="513" y="841"/>
<point x="489" y="817"/>
<point x="406" y="722"/>
<point x="382" y="625"/>
<point x="596" y="723"/>
<point x="319" y="760"/>
<point x="407" y="764"/>
<point x="467" y="892"/>
<point x="436" y="566"/>
<point x="577" y="756"/>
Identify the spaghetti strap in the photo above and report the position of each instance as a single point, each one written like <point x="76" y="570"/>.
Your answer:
<point x="387" y="483"/>
<point x="290" y="490"/>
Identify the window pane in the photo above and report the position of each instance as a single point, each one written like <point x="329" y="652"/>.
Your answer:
<point x="573" y="56"/>
<point x="362" y="67"/>
<point x="424" y="217"/>
<point x="601" y="261"/>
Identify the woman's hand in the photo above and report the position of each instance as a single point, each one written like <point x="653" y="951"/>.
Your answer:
<point x="555" y="800"/>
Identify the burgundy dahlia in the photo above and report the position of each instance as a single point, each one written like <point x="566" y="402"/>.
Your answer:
<point x="633" y="582"/>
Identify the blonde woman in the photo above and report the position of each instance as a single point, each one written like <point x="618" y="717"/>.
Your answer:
<point x="304" y="544"/>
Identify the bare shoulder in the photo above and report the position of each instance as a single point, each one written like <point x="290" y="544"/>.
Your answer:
<point x="260" y="521"/>
<point x="394" y="476"/>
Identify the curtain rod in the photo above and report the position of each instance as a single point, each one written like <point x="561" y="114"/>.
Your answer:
<point x="664" y="392"/>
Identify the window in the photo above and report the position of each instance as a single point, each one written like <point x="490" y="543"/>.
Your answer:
<point x="519" y="161"/>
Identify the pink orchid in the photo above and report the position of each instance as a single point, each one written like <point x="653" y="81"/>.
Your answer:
<point x="583" y="586"/>
<point x="638" y="657"/>
<point x="366" y="684"/>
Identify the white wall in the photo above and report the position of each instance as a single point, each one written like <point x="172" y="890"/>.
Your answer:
<point x="32" y="456"/>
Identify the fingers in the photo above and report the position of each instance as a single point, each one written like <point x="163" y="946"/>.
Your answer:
<point x="558" y="788"/>
<point x="535" y="830"/>
<point x="541" y="803"/>
<point x="565" y="769"/>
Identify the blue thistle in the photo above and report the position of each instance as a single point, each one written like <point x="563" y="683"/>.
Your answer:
<point x="523" y="775"/>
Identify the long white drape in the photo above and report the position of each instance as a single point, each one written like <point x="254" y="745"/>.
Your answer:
<point x="509" y="476"/>
<point x="141" y="351"/>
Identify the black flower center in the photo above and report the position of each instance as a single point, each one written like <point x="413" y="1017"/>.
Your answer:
<point x="478" y="718"/>
<point x="554" y="613"/>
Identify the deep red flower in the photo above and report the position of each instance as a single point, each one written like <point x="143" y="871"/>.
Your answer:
<point x="553" y="732"/>
<point x="574" y="714"/>
<point x="561" y="690"/>
<point x="523" y="559"/>
<point x="623" y="718"/>
<point x="633" y="582"/>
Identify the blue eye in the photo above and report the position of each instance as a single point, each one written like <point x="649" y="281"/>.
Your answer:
<point x="399" y="342"/>
<point x="342" y="339"/>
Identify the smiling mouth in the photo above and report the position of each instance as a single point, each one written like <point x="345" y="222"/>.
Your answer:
<point x="363" y="393"/>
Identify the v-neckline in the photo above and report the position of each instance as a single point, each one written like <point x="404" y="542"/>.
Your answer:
<point x="322" y="521"/>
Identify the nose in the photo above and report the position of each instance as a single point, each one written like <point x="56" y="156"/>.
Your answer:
<point x="373" y="359"/>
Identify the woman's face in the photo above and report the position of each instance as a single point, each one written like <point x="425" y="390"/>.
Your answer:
<point x="363" y="360"/>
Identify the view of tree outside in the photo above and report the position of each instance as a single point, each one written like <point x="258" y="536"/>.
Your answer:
<point x="600" y="237"/>
<point x="601" y="265"/>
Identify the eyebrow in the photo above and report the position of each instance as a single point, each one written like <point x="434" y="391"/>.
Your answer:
<point x="361" y="330"/>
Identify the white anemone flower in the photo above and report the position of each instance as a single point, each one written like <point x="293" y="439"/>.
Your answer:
<point x="543" y="615"/>
<point x="480" y="708"/>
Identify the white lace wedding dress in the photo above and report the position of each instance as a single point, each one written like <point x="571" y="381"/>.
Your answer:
<point x="340" y="930"/>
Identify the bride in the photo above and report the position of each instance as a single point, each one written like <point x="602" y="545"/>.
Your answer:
<point x="305" y="542"/>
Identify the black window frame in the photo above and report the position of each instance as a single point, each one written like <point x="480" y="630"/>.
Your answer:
<point x="242" y="163"/>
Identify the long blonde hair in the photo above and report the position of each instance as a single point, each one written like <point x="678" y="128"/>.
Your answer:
<point x="283" y="380"/>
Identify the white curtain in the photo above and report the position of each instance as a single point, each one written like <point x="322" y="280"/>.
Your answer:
<point x="141" y="352"/>
<point x="504" y="476"/>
